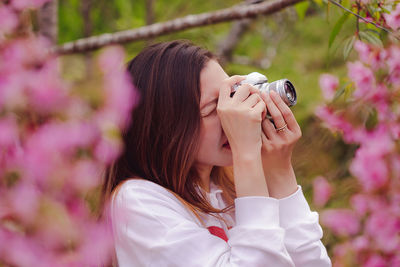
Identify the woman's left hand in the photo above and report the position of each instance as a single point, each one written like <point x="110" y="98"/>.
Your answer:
<point x="277" y="146"/>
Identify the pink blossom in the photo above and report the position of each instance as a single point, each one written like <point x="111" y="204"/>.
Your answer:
<point x="393" y="63"/>
<point x="86" y="175"/>
<point x="45" y="89"/>
<point x="8" y="20"/>
<point x="378" y="141"/>
<point x="322" y="191"/>
<point x="374" y="56"/>
<point x="26" y="4"/>
<point x="107" y="150"/>
<point x="8" y="132"/>
<point x="21" y="250"/>
<point x="364" y="51"/>
<point x="360" y="243"/>
<point x="359" y="202"/>
<point x="329" y="85"/>
<point x="395" y="260"/>
<point x="370" y="169"/>
<point x="375" y="261"/>
<point x="12" y="94"/>
<point x="23" y="54"/>
<point x="383" y="227"/>
<point x="120" y="95"/>
<point x="393" y="19"/>
<point x="341" y="221"/>
<point x="27" y="208"/>
<point x="337" y="123"/>
<point x="362" y="77"/>
<point x="111" y="59"/>
<point x="96" y="246"/>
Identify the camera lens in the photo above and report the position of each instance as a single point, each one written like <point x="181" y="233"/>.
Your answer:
<point x="290" y="92"/>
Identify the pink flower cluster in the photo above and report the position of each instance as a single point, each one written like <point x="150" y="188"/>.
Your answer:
<point x="370" y="227"/>
<point x="54" y="145"/>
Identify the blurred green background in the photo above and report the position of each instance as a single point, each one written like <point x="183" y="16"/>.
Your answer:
<point x="293" y="44"/>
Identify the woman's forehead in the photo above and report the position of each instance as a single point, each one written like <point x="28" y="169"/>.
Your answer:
<point x="211" y="77"/>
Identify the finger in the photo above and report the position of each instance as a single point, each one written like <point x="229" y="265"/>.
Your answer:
<point x="285" y="111"/>
<point x="252" y="100"/>
<point x="273" y="110"/>
<point x="242" y="92"/>
<point x="227" y="86"/>
<point x="264" y="138"/>
<point x="260" y="107"/>
<point x="268" y="129"/>
<point x="255" y="90"/>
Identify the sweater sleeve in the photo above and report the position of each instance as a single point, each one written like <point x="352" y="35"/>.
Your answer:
<point x="303" y="232"/>
<point x="152" y="229"/>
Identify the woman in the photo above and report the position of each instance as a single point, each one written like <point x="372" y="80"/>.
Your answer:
<point x="175" y="200"/>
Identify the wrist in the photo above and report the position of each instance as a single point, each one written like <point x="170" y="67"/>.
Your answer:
<point x="252" y="155"/>
<point x="281" y="183"/>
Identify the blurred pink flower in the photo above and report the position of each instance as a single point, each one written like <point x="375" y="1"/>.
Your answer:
<point x="120" y="95"/>
<point x="26" y="208"/>
<point x="383" y="227"/>
<point x="395" y="260"/>
<point x="393" y="62"/>
<point x="8" y="132"/>
<point x="8" y="21"/>
<point x="359" y="203"/>
<point x="322" y="191"/>
<point x="341" y="221"/>
<point x="375" y="260"/>
<point x="329" y="85"/>
<point x="45" y="89"/>
<point x="21" y="250"/>
<point x="375" y="57"/>
<point x="370" y="169"/>
<point x="26" y="4"/>
<point x="362" y="77"/>
<point x="96" y="246"/>
<point x="23" y="54"/>
<point x="378" y="141"/>
<point x="393" y="19"/>
<point x="363" y="51"/>
<point x="86" y="175"/>
<point x="360" y="243"/>
<point x="337" y="123"/>
<point x="108" y="150"/>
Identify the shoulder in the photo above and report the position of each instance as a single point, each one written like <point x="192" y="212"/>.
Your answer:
<point x="141" y="189"/>
<point x="141" y="196"/>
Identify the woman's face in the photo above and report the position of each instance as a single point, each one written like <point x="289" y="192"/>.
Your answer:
<point x="212" y="138"/>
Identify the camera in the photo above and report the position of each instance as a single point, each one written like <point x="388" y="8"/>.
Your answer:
<point x="283" y="87"/>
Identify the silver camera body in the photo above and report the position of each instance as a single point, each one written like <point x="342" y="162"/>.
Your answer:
<point x="283" y="87"/>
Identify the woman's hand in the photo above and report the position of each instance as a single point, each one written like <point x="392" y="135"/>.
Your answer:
<point x="277" y="146"/>
<point x="241" y="116"/>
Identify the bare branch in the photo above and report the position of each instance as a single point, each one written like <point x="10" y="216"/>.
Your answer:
<point x="48" y="21"/>
<point x="226" y="47"/>
<point x="149" y="16"/>
<point x="187" y="22"/>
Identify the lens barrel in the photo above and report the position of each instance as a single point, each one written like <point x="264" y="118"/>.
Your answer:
<point x="284" y="88"/>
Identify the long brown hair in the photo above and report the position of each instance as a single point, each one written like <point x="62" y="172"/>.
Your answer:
<point x="162" y="140"/>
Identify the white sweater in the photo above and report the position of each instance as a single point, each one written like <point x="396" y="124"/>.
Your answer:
<point x="152" y="228"/>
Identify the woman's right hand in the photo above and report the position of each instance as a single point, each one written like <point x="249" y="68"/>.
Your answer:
<point x="241" y="116"/>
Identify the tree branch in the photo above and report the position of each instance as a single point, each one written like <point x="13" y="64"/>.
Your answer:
<point x="187" y="22"/>
<point x="238" y="29"/>
<point x="48" y="21"/>
<point x="364" y="19"/>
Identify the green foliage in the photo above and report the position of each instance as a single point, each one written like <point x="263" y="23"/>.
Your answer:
<point x="301" y="9"/>
<point x="336" y="29"/>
